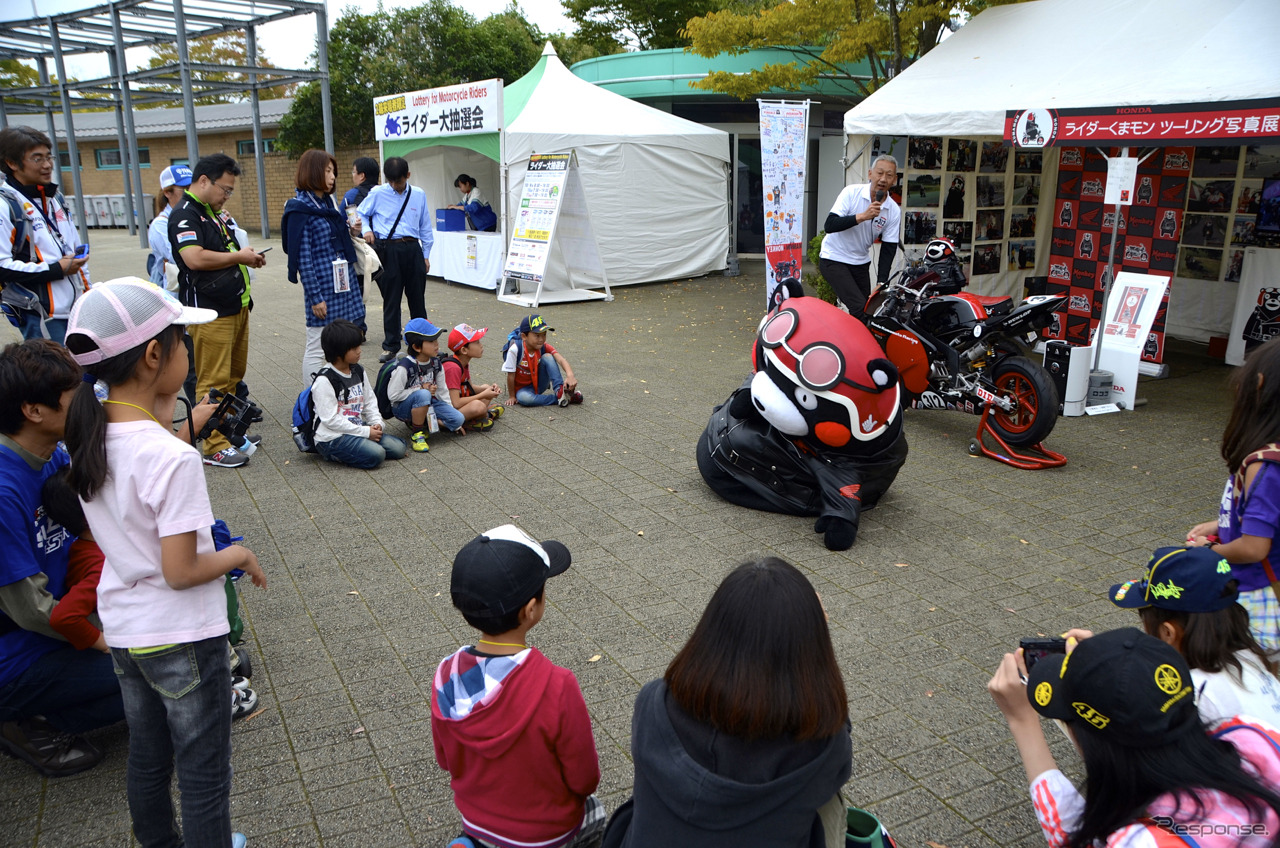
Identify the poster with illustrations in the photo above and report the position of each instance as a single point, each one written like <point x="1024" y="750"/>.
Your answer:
<point x="784" y="132"/>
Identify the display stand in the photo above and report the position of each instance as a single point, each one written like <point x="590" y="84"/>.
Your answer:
<point x="1123" y="331"/>
<point x="1036" y="457"/>
<point x="552" y="220"/>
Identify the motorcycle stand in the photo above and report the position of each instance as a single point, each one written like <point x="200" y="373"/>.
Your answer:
<point x="1036" y="458"/>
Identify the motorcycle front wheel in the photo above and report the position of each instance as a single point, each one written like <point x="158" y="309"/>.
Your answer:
<point x="1036" y="401"/>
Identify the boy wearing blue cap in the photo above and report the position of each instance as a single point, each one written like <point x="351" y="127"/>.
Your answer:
<point x="1188" y="599"/>
<point x="417" y="387"/>
<point x="537" y="374"/>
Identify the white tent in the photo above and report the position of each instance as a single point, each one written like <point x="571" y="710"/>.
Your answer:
<point x="1059" y="54"/>
<point x="656" y="185"/>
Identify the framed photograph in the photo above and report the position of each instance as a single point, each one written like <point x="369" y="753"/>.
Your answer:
<point x="890" y="145"/>
<point x="1242" y="231"/>
<point x="1250" y="197"/>
<point x="1026" y="190"/>
<point x="953" y="205"/>
<point x="961" y="154"/>
<point x="924" y="152"/>
<point x="1261" y="160"/>
<point x="995" y="157"/>
<point x="989" y="225"/>
<point x="1204" y="230"/>
<point x="1235" y="262"/>
<point x="1022" y="223"/>
<point x="923" y="190"/>
<point x="986" y="259"/>
<point x="1028" y="162"/>
<point x="919" y="227"/>
<point x="960" y="233"/>
<point x="1198" y="263"/>
<point x="990" y="191"/>
<point x="1216" y="162"/>
<point x="1022" y="255"/>
<point x="1211" y="196"/>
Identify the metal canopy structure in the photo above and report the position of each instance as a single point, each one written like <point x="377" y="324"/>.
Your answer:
<point x="114" y="27"/>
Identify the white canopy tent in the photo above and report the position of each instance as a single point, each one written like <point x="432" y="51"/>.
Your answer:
<point x="656" y="185"/>
<point x="1058" y="54"/>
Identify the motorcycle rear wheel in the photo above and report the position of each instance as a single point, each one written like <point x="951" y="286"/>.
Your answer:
<point x="1036" y="410"/>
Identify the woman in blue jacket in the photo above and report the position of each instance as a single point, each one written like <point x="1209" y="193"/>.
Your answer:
<point x="480" y="215"/>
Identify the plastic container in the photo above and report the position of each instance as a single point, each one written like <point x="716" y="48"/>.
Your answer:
<point x="1100" y="383"/>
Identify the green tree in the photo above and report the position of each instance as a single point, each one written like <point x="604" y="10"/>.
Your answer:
<point x="430" y="45"/>
<point x="613" y="25"/>
<point x="824" y="35"/>
<point x="226" y="49"/>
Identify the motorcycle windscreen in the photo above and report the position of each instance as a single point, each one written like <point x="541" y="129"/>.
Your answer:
<point x="906" y="351"/>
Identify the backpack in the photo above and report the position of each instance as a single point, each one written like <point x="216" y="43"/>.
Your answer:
<point x="385" y="407"/>
<point x="467" y="389"/>
<point x="513" y="337"/>
<point x="305" y="420"/>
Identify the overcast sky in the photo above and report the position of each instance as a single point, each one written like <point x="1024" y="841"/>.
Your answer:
<point x="281" y="41"/>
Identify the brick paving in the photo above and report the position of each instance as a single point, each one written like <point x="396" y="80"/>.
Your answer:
<point x="961" y="559"/>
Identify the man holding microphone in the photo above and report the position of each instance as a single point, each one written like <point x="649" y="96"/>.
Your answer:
<point x="862" y="213"/>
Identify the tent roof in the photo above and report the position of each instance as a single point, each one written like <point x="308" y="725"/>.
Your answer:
<point x="550" y="101"/>
<point x="1056" y="54"/>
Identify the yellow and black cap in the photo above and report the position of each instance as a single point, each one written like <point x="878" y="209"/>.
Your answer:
<point x="1126" y="685"/>
<point x="1183" y="579"/>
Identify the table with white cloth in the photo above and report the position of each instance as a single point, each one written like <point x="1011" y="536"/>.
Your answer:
<point x="1261" y="270"/>
<point x="469" y="257"/>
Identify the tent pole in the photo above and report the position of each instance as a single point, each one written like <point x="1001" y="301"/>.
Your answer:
<point x="126" y="155"/>
<point x="131" y="131"/>
<point x="70" y="124"/>
<point x="251" y="58"/>
<point x="1111" y="276"/>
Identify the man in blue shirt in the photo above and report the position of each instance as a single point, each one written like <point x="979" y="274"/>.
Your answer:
<point x="397" y="223"/>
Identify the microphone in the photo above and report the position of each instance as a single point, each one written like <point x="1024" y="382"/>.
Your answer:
<point x="880" y="195"/>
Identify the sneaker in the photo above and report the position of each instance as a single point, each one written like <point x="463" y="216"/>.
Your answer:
<point x="249" y="445"/>
<point x="496" y="411"/>
<point x="562" y="398"/>
<point x="576" y="397"/>
<point x="243" y="702"/>
<point x="482" y="424"/>
<point x="462" y="841"/>
<point x="387" y="356"/>
<point x="239" y="840"/>
<point x="419" y="441"/>
<point x="47" y="749"/>
<point x="226" y="458"/>
<point x="254" y="413"/>
<point x="241" y="664"/>
<point x="240" y="683"/>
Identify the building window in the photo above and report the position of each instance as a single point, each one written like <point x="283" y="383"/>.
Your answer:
<point x="183" y="161"/>
<point x="245" y="148"/>
<point x="109" y="158"/>
<point x="64" y="158"/>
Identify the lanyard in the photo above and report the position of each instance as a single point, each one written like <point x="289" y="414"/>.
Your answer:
<point x="53" y="227"/>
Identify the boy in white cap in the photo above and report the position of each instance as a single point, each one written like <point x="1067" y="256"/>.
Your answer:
<point x="173" y="180"/>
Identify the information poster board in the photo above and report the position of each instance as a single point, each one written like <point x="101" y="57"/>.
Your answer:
<point x="473" y="107"/>
<point x="552" y="212"/>
<point x="1135" y="300"/>
<point x="784" y="131"/>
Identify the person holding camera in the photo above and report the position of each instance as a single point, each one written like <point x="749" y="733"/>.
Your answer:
<point x="43" y="265"/>
<point x="862" y="214"/>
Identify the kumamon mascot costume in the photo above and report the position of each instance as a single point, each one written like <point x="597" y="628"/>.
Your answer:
<point x="817" y="430"/>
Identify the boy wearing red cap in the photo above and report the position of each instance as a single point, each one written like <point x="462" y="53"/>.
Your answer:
<point x="478" y="404"/>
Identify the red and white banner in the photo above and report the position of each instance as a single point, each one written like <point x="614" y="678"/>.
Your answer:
<point x="784" y="132"/>
<point x="1232" y="121"/>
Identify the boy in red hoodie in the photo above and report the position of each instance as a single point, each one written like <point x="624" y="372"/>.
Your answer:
<point x="510" y="727"/>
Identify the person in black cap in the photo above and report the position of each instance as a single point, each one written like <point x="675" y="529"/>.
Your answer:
<point x="510" y="727"/>
<point x="1188" y="599"/>
<point x="1153" y="771"/>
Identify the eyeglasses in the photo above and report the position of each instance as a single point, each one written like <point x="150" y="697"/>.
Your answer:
<point x="820" y="366"/>
<point x="226" y="192"/>
<point x="39" y="158"/>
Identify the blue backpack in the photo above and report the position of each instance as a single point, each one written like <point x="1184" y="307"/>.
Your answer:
<point x="305" y="420"/>
<point x="513" y="338"/>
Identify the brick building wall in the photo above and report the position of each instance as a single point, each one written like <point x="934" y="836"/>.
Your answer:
<point x="278" y="169"/>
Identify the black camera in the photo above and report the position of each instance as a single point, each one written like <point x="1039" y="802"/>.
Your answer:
<point x="232" y="417"/>
<point x="1034" y="650"/>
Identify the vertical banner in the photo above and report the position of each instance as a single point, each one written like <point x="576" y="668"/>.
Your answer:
<point x="536" y="218"/>
<point x="784" y="134"/>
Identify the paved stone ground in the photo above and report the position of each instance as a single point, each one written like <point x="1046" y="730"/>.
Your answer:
<point x="962" y="558"/>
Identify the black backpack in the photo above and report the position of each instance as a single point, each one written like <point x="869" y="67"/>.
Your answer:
<point x="385" y="407"/>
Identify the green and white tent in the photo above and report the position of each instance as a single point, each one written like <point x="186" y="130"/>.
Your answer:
<point x="656" y="185"/>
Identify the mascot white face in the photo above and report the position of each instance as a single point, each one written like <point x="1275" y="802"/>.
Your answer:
<point x="820" y="375"/>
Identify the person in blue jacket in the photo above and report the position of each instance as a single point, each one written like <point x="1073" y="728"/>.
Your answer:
<point x="480" y="215"/>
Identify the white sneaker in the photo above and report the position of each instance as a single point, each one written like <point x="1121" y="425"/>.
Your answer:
<point x="227" y="458"/>
<point x="249" y="445"/>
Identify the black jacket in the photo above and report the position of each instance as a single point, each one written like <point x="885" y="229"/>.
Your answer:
<point x="695" y="786"/>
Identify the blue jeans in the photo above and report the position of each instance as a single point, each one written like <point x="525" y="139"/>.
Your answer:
<point x="549" y="382"/>
<point x="30" y="327"/>
<point x="450" y="417"/>
<point x="178" y="704"/>
<point x="75" y="690"/>
<point x="359" y="452"/>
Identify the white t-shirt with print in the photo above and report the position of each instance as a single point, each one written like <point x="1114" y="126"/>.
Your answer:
<point x="1223" y="694"/>
<point x="853" y="246"/>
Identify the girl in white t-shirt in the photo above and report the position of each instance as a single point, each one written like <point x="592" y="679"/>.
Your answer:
<point x="1188" y="599"/>
<point x="161" y="597"/>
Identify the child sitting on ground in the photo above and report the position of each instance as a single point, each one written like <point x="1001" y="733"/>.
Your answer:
<point x="512" y="729"/>
<point x="84" y="567"/>
<point x="416" y="387"/>
<point x="350" y="430"/>
<point x="537" y="375"/>
<point x="479" y="406"/>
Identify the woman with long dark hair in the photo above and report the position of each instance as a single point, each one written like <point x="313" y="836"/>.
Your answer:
<point x="315" y="237"/>
<point x="746" y="737"/>
<point x="1153" y="772"/>
<point x="1245" y="533"/>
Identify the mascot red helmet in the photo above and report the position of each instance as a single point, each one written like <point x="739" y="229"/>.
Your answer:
<point x="938" y="250"/>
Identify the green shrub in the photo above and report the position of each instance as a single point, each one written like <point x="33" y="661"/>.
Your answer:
<point x="813" y="282"/>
